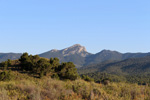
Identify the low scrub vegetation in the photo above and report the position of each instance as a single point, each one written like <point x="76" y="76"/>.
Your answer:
<point x="24" y="87"/>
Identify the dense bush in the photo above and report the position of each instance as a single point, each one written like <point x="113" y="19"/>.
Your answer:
<point x="87" y="78"/>
<point x="4" y="65"/>
<point x="67" y="71"/>
<point x="28" y="62"/>
<point x="48" y="67"/>
<point x="6" y="76"/>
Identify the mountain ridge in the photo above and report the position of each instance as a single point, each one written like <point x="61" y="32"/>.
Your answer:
<point x="80" y="56"/>
<point x="12" y="56"/>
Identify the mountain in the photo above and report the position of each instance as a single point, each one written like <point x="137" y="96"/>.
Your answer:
<point x="12" y="56"/>
<point x="134" y="55"/>
<point x="79" y="56"/>
<point x="108" y="55"/>
<point x="75" y="53"/>
<point x="132" y="66"/>
<point x="104" y="55"/>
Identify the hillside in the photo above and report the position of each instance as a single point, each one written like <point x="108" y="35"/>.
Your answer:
<point x="125" y="67"/>
<point x="133" y="70"/>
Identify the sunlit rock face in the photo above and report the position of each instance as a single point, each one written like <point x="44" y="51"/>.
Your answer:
<point x="75" y="49"/>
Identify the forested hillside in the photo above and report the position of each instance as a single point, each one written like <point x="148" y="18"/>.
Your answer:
<point x="125" y="67"/>
<point x="134" y="70"/>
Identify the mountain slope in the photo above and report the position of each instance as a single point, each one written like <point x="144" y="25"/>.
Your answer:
<point x="125" y="67"/>
<point x="12" y="56"/>
<point x="107" y="55"/>
<point x="104" y="55"/>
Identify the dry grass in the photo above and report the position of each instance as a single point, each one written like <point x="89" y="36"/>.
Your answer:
<point x="25" y="87"/>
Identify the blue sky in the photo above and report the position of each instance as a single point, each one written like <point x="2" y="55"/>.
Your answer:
<point x="36" y="26"/>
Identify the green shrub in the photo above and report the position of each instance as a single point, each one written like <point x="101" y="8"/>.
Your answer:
<point x="87" y="78"/>
<point x="55" y="76"/>
<point x="6" y="76"/>
<point x="68" y="71"/>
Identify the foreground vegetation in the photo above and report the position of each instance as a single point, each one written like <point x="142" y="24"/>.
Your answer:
<point x="25" y="87"/>
<point x="35" y="78"/>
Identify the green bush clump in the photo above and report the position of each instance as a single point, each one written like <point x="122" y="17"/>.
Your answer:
<point x="87" y="78"/>
<point x="6" y="76"/>
<point x="67" y="71"/>
<point x="55" y="76"/>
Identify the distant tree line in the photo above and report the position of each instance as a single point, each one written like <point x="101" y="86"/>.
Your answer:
<point x="100" y="77"/>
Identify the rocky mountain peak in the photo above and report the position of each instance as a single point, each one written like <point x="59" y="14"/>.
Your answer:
<point x="54" y="50"/>
<point x="76" y="45"/>
<point x="75" y="49"/>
